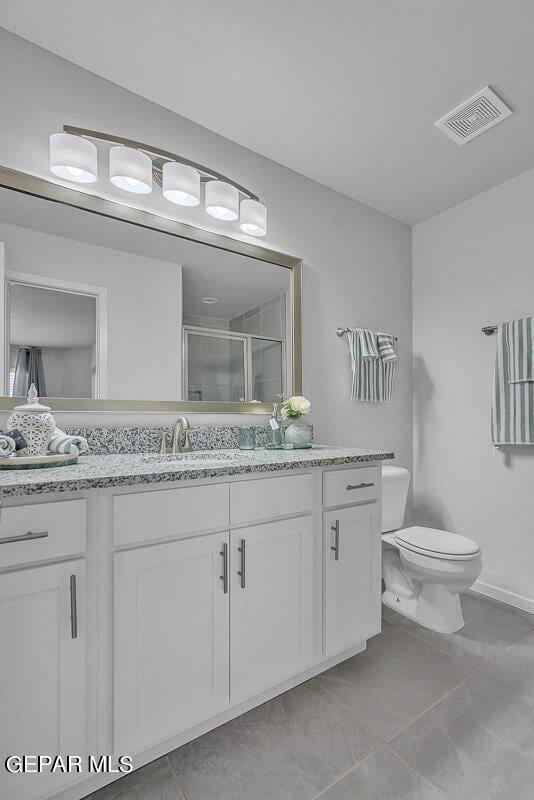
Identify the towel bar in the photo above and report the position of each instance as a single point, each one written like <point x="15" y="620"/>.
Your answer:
<point x="341" y="331"/>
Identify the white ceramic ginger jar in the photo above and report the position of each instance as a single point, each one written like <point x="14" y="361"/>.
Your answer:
<point x="35" y="423"/>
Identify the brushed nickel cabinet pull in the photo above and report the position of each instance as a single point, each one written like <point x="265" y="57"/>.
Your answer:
<point x="359" y="486"/>
<point x="335" y="547"/>
<point x="24" y="537"/>
<point x="224" y="576"/>
<point x="73" y="608"/>
<point x="241" y="572"/>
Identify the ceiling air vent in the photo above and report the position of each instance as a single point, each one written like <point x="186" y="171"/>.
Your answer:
<point x="481" y="112"/>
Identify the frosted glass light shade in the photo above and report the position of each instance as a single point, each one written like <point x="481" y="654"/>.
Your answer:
<point x="181" y="184"/>
<point x="222" y="200"/>
<point x="253" y="218"/>
<point x="130" y="169"/>
<point x="73" y="158"/>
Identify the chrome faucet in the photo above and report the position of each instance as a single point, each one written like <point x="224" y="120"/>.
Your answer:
<point x="181" y="441"/>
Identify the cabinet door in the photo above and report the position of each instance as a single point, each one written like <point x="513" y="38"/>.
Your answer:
<point x="352" y="563"/>
<point x="42" y="672"/>
<point x="272" y="603"/>
<point x="171" y="636"/>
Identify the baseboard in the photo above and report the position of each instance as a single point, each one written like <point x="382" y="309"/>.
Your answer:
<point x="504" y="596"/>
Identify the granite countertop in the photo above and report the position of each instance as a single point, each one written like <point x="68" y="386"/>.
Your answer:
<point x="104" y="471"/>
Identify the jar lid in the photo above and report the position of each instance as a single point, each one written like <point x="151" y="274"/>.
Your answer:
<point x="32" y="405"/>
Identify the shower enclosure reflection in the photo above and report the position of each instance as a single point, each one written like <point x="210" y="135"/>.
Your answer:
<point x="235" y="348"/>
<point x="100" y="309"/>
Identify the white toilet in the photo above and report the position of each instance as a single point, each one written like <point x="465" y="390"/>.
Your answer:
<point x="424" y="569"/>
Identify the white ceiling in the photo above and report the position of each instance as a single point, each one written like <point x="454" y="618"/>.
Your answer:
<point x="345" y="92"/>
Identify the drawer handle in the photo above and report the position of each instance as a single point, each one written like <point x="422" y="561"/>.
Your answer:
<point x="24" y="537"/>
<point x="241" y="572"/>
<point x="335" y="547"/>
<point x="359" y="486"/>
<point x="224" y="576"/>
<point x="73" y="608"/>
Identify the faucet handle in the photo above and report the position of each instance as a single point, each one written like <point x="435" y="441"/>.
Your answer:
<point x="163" y="445"/>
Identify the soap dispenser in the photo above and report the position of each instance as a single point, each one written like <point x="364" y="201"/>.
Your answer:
<point x="274" y="434"/>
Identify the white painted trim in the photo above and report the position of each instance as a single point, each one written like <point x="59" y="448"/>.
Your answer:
<point x="504" y="596"/>
<point x="100" y="293"/>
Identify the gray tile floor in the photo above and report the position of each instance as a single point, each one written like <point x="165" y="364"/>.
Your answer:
<point x="418" y="716"/>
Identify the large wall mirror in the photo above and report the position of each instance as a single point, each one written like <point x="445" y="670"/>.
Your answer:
<point x="103" y="314"/>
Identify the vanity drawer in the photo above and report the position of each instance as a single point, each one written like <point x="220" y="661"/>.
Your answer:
<point x="345" y="486"/>
<point x="256" y="500"/>
<point x="42" y="531"/>
<point x="145" y="516"/>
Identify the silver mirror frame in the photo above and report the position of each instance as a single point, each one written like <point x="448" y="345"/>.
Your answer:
<point x="47" y="190"/>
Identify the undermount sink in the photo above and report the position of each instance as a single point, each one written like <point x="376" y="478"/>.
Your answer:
<point x="201" y="455"/>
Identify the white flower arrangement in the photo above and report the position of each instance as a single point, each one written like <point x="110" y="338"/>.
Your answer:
<point x="295" y="407"/>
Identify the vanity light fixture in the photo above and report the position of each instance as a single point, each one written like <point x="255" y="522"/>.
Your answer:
<point x="222" y="200"/>
<point x="134" y="167"/>
<point x="253" y="218"/>
<point x="130" y="169"/>
<point x="73" y="158"/>
<point x="181" y="184"/>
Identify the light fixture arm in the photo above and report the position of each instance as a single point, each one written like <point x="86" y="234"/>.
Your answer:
<point x="159" y="158"/>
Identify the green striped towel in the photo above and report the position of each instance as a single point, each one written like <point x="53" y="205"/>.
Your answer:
<point x="386" y="347"/>
<point x="512" y="413"/>
<point x="61" y="442"/>
<point x="372" y="374"/>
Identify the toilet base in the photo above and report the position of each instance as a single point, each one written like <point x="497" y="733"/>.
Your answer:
<point x="434" y="608"/>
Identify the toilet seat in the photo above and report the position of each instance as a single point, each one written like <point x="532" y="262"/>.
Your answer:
<point x="437" y="544"/>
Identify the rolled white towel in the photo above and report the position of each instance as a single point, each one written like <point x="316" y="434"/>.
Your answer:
<point x="61" y="442"/>
<point x="7" y="446"/>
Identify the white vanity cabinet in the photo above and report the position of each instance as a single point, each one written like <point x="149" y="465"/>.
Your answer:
<point x="42" y="641"/>
<point x="272" y="603"/>
<point x="171" y="638"/>
<point x="352" y="574"/>
<point x="187" y="606"/>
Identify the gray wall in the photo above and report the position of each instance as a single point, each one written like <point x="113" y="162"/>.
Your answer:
<point x="357" y="262"/>
<point x="472" y="266"/>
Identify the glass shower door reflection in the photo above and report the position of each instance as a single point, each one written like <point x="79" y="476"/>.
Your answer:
<point x="267" y="370"/>
<point x="215" y="367"/>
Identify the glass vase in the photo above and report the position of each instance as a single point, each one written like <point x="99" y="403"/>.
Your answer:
<point x="299" y="434"/>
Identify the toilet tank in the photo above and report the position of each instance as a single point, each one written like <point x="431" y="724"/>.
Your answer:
<point x="395" y="483"/>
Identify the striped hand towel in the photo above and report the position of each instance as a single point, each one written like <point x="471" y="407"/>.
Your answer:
<point x="512" y="413"/>
<point x="368" y="343"/>
<point x="61" y="442"/>
<point x="386" y="347"/>
<point x="372" y="376"/>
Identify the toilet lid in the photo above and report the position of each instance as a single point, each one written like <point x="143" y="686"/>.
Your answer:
<point x="441" y="544"/>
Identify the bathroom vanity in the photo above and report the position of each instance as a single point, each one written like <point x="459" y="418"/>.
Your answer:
<point x="153" y="598"/>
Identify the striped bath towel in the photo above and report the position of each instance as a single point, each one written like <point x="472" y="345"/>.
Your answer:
<point x="373" y="370"/>
<point x="61" y="442"/>
<point x="512" y="413"/>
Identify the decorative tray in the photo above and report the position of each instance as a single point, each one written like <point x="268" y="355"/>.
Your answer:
<point x="38" y="462"/>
